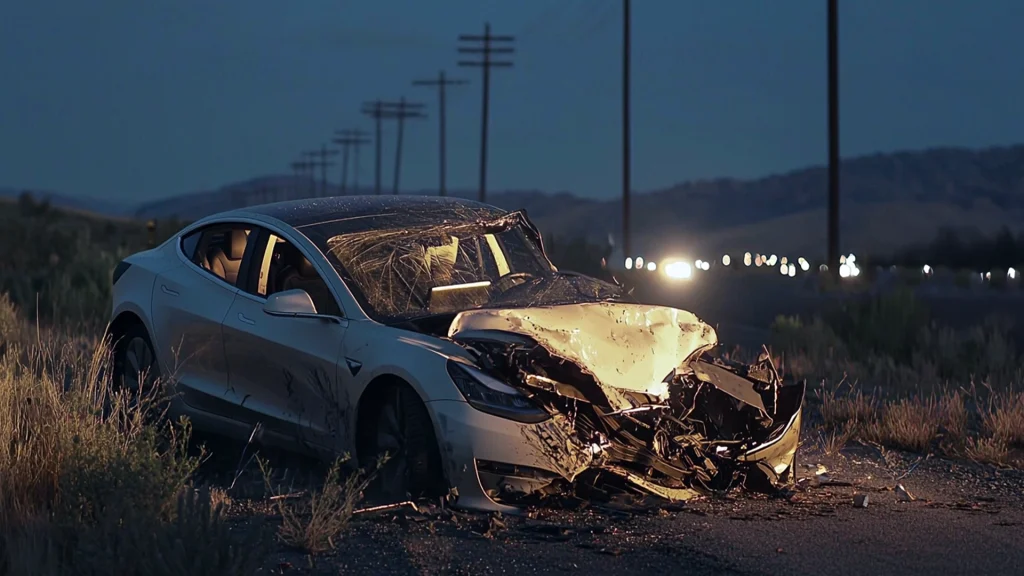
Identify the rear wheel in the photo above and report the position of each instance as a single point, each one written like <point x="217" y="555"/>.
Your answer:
<point x="402" y="429"/>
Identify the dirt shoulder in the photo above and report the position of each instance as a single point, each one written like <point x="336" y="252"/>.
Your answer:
<point x="963" y="519"/>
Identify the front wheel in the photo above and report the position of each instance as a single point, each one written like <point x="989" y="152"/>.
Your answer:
<point x="135" y="370"/>
<point x="403" y="430"/>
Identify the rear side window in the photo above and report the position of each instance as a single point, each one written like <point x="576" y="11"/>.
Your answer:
<point x="219" y="249"/>
<point x="189" y="243"/>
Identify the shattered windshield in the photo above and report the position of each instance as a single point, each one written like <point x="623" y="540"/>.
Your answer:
<point x="406" y="272"/>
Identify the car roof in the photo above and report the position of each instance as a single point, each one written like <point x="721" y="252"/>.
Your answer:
<point x="368" y="212"/>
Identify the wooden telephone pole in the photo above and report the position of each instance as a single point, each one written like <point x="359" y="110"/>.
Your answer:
<point x="484" y="46"/>
<point x="353" y="138"/>
<point x="441" y="83"/>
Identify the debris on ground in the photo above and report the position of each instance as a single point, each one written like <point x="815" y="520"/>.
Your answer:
<point x="860" y="500"/>
<point x="903" y="495"/>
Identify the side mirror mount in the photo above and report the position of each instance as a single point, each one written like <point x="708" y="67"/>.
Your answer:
<point x="295" y="303"/>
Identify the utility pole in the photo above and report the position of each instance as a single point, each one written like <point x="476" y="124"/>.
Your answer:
<point x="833" y="137"/>
<point x="311" y="164"/>
<point x="400" y="111"/>
<point x="323" y="161"/>
<point x="485" y="49"/>
<point x="349" y="138"/>
<point x="626" y="132"/>
<point x="440" y="83"/>
<point x="375" y="110"/>
<point x="298" y="172"/>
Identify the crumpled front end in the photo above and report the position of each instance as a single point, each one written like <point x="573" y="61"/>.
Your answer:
<point x="638" y="399"/>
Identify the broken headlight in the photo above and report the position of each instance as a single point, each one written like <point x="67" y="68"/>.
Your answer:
<point x="488" y="394"/>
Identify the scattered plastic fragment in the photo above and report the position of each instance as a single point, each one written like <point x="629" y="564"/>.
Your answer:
<point x="903" y="495"/>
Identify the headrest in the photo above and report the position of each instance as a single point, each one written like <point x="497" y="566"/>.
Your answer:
<point x="306" y="268"/>
<point x="236" y="246"/>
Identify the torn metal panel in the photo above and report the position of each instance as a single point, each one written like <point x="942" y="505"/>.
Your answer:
<point x="728" y="382"/>
<point x="629" y="347"/>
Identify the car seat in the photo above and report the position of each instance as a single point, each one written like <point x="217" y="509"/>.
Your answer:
<point x="226" y="264"/>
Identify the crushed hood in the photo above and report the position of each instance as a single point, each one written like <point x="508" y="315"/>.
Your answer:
<point x="624" y="346"/>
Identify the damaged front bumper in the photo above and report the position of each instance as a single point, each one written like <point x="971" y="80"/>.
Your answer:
<point x="712" y="425"/>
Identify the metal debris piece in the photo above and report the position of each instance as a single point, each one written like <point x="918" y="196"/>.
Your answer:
<point x="383" y="507"/>
<point x="903" y="495"/>
<point x="860" y="500"/>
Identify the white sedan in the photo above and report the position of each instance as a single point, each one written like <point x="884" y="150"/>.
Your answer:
<point x="437" y="331"/>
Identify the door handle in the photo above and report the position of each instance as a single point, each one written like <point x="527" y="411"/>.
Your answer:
<point x="168" y="291"/>
<point x="246" y="319"/>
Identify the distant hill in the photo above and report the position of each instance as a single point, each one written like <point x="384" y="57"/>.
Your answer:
<point x="888" y="201"/>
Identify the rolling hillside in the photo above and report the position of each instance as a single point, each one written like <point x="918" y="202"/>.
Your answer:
<point x="888" y="202"/>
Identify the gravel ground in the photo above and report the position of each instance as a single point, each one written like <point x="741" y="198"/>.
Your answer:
<point x="963" y="519"/>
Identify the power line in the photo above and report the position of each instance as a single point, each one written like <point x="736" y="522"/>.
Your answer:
<point x="353" y="138"/>
<point x="441" y="82"/>
<point x="399" y="111"/>
<point x="483" y="45"/>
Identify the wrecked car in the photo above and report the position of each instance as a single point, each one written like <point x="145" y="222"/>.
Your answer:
<point x="436" y="331"/>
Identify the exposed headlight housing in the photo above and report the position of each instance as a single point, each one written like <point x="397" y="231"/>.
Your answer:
<point x="488" y="394"/>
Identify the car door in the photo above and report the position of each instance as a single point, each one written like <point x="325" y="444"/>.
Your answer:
<point x="286" y="368"/>
<point x="189" y="305"/>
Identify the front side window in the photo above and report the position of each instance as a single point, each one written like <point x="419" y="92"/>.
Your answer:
<point x="281" y="266"/>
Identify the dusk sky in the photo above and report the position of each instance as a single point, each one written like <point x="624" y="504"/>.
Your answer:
<point x="135" y="100"/>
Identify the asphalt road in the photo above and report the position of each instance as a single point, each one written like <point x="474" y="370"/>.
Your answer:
<point x="964" y="520"/>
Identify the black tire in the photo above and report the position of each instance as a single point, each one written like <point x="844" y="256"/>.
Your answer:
<point x="134" y="354"/>
<point x="402" y="428"/>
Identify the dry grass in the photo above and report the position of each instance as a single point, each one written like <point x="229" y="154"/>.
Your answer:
<point x="1003" y="419"/>
<point x="314" y="522"/>
<point x="88" y="484"/>
<point x="898" y="391"/>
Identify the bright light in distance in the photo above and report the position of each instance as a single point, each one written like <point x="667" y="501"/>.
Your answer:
<point x="772" y="260"/>
<point x="854" y="270"/>
<point x="699" y="264"/>
<point x="746" y="259"/>
<point x="651" y="266"/>
<point x="1011" y="273"/>
<point x="792" y="271"/>
<point x="629" y="263"/>
<point x="726" y="260"/>
<point x="842" y="259"/>
<point x="823" y="268"/>
<point x="804" y="265"/>
<point x="784" y="260"/>
<point x="784" y="269"/>
<point x="679" y="270"/>
<point x="851" y="258"/>
<point x="988" y="275"/>
<point x="639" y="263"/>
<point x="844" y="271"/>
<point x="758" y="261"/>
<point x="705" y="265"/>
<point x="926" y="269"/>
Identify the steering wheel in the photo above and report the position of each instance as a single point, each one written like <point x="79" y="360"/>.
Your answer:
<point x="507" y="281"/>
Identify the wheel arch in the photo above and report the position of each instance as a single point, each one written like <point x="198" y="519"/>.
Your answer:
<point x="371" y="400"/>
